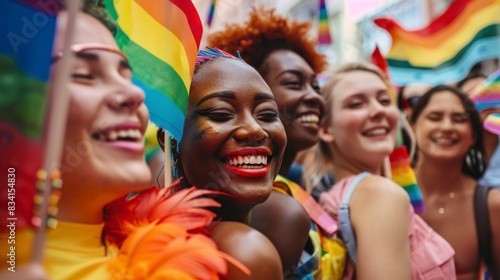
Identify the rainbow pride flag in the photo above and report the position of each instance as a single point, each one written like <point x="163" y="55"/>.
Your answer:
<point x="27" y="33"/>
<point x="211" y="12"/>
<point x="487" y="96"/>
<point x="161" y="39"/>
<point x="403" y="175"/>
<point x="444" y="51"/>
<point x="324" y="36"/>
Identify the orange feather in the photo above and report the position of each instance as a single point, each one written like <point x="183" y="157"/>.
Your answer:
<point x="158" y="233"/>
<point x="186" y="208"/>
<point x="158" y="249"/>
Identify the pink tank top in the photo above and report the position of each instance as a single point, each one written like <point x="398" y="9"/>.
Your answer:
<point x="431" y="255"/>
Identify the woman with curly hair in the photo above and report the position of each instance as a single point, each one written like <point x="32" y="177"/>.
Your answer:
<point x="286" y="57"/>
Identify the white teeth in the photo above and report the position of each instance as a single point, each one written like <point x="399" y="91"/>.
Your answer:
<point x="113" y="135"/>
<point x="259" y="160"/>
<point x="312" y="118"/>
<point x="377" y="132"/>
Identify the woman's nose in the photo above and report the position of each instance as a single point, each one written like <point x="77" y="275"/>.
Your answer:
<point x="127" y="97"/>
<point x="250" y="130"/>
<point x="446" y="123"/>
<point x="377" y="109"/>
<point x="314" y="99"/>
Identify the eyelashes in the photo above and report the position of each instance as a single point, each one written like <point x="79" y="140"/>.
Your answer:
<point x="82" y="76"/>
<point x="224" y="115"/>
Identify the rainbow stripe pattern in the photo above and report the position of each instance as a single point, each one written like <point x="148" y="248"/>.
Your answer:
<point x="211" y="12"/>
<point x="487" y="96"/>
<point x="27" y="33"/>
<point x="324" y="36"/>
<point x="403" y="175"/>
<point x="445" y="50"/>
<point x="492" y="123"/>
<point x="161" y="39"/>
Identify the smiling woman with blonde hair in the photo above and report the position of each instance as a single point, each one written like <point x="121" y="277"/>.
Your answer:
<point x="375" y="216"/>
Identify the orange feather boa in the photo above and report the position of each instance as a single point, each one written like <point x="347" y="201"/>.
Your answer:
<point x="164" y="235"/>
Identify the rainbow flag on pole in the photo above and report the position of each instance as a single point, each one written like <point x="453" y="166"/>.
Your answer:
<point x="487" y="96"/>
<point x="403" y="175"/>
<point x="324" y="36"/>
<point x="161" y="39"/>
<point x="27" y="33"/>
<point x="211" y="12"/>
<point x="444" y="51"/>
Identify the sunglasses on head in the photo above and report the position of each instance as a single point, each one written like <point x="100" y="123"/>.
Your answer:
<point x="411" y="102"/>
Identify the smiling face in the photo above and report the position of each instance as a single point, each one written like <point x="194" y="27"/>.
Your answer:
<point x="103" y="149"/>
<point x="296" y="89"/>
<point x="363" y="121"/>
<point x="443" y="129"/>
<point x="233" y="140"/>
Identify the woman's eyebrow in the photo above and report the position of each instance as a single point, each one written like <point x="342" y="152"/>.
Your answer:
<point x="264" y="96"/>
<point x="87" y="56"/>
<point x="95" y="58"/>
<point x="221" y="94"/>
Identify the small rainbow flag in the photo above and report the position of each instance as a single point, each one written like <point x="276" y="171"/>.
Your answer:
<point x="403" y="175"/>
<point x="161" y="39"/>
<point x="487" y="96"/>
<point x="445" y="50"/>
<point x="492" y="123"/>
<point x="378" y="59"/>
<point x="211" y="12"/>
<point x="324" y="36"/>
<point x="27" y="33"/>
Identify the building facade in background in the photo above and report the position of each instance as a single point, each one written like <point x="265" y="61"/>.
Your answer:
<point x="351" y="22"/>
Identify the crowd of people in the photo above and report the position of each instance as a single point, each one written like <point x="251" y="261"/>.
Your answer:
<point x="279" y="177"/>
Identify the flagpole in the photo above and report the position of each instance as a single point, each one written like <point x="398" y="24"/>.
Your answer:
<point x="56" y="124"/>
<point x="168" y="162"/>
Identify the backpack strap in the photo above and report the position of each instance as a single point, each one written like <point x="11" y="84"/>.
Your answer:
<point x="483" y="227"/>
<point x="345" y="217"/>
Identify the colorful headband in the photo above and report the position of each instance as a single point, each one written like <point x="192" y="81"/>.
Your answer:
<point x="211" y="53"/>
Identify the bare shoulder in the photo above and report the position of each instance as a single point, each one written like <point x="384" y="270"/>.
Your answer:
<point x="283" y="220"/>
<point x="376" y="197"/>
<point x="494" y="200"/>
<point x="494" y="209"/>
<point x="251" y="248"/>
<point x="281" y="207"/>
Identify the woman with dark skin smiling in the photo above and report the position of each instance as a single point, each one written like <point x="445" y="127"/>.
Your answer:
<point x="447" y="126"/>
<point x="285" y="56"/>
<point x="105" y="124"/>
<point x="233" y="142"/>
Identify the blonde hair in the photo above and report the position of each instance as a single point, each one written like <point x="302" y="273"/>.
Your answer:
<point x="319" y="158"/>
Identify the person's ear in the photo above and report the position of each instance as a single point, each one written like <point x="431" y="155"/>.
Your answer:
<point x="160" y="137"/>
<point x="325" y="133"/>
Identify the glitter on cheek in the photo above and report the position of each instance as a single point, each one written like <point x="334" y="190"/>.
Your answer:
<point x="205" y="130"/>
